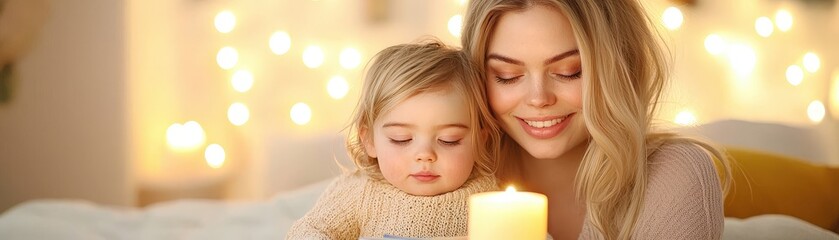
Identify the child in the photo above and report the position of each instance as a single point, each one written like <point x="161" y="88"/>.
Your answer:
<point x="422" y="140"/>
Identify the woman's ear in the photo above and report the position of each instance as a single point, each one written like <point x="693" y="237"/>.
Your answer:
<point x="367" y="141"/>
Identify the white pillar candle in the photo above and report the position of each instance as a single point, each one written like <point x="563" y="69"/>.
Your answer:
<point x="508" y="215"/>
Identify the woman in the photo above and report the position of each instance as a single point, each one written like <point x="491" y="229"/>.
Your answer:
<point x="575" y="86"/>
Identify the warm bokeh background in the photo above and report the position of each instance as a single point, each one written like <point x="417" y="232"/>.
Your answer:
<point x="99" y="101"/>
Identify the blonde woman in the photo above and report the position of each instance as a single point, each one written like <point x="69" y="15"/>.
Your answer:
<point x="423" y="142"/>
<point x="574" y="85"/>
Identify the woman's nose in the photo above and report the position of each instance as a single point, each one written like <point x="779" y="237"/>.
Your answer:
<point x="540" y="94"/>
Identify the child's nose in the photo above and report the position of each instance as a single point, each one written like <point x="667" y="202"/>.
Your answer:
<point x="426" y="153"/>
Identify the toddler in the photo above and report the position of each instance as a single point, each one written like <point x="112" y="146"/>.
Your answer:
<point x="422" y="139"/>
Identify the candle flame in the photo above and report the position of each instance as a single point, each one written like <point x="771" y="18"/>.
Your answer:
<point x="511" y="188"/>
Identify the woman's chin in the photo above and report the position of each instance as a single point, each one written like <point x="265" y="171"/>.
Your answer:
<point x="546" y="153"/>
<point x="555" y="150"/>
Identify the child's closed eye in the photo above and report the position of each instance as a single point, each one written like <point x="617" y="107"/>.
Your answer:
<point x="400" y="141"/>
<point x="449" y="142"/>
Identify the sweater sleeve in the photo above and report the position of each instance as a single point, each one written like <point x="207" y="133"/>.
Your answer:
<point x="334" y="216"/>
<point x="683" y="199"/>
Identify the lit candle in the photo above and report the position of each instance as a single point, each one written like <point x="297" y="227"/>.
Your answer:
<point x="508" y="215"/>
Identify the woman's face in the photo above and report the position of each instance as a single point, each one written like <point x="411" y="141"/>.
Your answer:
<point x="535" y="81"/>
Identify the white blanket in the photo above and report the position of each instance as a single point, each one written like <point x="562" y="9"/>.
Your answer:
<point x="182" y="219"/>
<point x="207" y="220"/>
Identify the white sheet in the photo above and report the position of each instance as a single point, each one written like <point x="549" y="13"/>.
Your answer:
<point x="182" y="219"/>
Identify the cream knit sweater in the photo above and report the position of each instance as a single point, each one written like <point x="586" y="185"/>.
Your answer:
<point x="356" y="206"/>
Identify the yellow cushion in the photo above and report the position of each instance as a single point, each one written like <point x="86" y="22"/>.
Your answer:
<point x="766" y="183"/>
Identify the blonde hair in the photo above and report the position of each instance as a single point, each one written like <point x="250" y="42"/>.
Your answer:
<point x="626" y="72"/>
<point x="402" y="71"/>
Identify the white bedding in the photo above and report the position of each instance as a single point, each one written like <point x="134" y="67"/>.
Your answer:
<point x="182" y="219"/>
<point x="207" y="219"/>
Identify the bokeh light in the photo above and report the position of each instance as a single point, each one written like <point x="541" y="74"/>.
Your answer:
<point x="783" y="19"/>
<point x="214" y="155"/>
<point x="685" y="118"/>
<point x="301" y="114"/>
<point x="795" y="75"/>
<point x="672" y="18"/>
<point x="185" y="136"/>
<point x="280" y="42"/>
<point x="811" y="62"/>
<point x="742" y="59"/>
<point x="238" y="114"/>
<point x="225" y="21"/>
<point x="455" y="25"/>
<point x="337" y="87"/>
<point x="227" y="57"/>
<point x="816" y="111"/>
<point x="764" y="27"/>
<point x="313" y="56"/>
<point x="715" y="44"/>
<point x="242" y="80"/>
<point x="349" y="58"/>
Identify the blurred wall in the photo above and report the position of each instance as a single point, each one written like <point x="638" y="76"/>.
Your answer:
<point x="64" y="133"/>
<point x="710" y="86"/>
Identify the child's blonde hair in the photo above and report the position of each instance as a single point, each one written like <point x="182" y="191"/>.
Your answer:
<point x="402" y="71"/>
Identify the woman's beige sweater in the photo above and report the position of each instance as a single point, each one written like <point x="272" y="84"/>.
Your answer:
<point x="356" y="206"/>
<point x="683" y="199"/>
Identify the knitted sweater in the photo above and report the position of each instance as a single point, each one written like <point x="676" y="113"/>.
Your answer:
<point x="356" y="206"/>
<point x="683" y="199"/>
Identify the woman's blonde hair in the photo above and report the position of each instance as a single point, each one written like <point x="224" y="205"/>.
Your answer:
<point x="402" y="71"/>
<point x="625" y="70"/>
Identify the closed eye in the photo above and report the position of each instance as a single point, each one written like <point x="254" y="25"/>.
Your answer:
<point x="569" y="77"/>
<point x="401" y="141"/>
<point x="449" y="143"/>
<point x="510" y="80"/>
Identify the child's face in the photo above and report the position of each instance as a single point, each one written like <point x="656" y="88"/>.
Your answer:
<point x="423" y="144"/>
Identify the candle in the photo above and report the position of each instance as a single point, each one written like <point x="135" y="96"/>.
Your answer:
<point x="508" y="215"/>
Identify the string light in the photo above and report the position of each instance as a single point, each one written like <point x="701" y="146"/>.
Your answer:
<point x="214" y="155"/>
<point x="337" y="87"/>
<point x="238" y="114"/>
<point x="313" y="56"/>
<point x="783" y="19"/>
<point x="714" y="44"/>
<point x="456" y="25"/>
<point x="280" y="42"/>
<point x="242" y="80"/>
<point x="764" y="26"/>
<point x="685" y="118"/>
<point x="815" y="111"/>
<point x="227" y="57"/>
<point x="185" y="136"/>
<point x="672" y="18"/>
<point x="742" y="59"/>
<point x="225" y="21"/>
<point x="795" y="75"/>
<point x="301" y="114"/>
<point x="811" y="62"/>
<point x="349" y="58"/>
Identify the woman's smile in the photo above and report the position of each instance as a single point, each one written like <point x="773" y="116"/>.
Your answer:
<point x="545" y="129"/>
